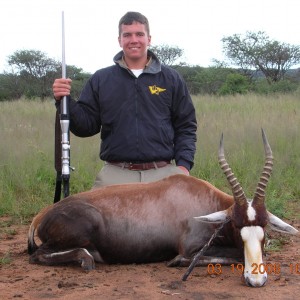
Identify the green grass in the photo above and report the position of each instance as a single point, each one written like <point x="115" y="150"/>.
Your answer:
<point x="276" y="244"/>
<point x="27" y="175"/>
<point x="6" y="259"/>
<point x="241" y="118"/>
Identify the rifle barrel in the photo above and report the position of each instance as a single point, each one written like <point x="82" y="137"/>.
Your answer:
<point x="64" y="123"/>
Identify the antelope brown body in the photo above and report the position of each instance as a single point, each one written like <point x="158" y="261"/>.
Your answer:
<point x="150" y="222"/>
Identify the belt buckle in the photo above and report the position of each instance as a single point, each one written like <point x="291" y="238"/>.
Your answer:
<point x="131" y="167"/>
<point x="140" y="166"/>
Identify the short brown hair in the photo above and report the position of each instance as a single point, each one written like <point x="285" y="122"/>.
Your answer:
<point x="131" y="17"/>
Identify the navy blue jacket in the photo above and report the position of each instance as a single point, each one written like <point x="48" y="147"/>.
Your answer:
<point x="149" y="118"/>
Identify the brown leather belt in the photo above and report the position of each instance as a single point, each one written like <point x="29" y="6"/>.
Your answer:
<point x="140" y="166"/>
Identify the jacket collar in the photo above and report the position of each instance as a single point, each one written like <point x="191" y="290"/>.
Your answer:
<point x="153" y="65"/>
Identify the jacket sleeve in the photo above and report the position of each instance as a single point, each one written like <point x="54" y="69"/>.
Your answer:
<point x="185" y="125"/>
<point x="85" y="119"/>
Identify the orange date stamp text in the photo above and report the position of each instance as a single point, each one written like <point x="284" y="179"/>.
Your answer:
<point x="269" y="268"/>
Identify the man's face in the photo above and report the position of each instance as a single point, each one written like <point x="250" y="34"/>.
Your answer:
<point x="134" y="40"/>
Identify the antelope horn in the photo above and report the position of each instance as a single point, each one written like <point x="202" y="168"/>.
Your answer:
<point x="259" y="196"/>
<point x="237" y="190"/>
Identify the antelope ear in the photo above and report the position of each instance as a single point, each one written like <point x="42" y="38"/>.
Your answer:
<point x="281" y="226"/>
<point x="216" y="217"/>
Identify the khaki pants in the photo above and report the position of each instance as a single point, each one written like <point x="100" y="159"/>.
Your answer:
<point x="111" y="174"/>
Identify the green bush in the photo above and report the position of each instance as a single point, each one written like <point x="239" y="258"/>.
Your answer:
<point x="234" y="84"/>
<point x="284" y="86"/>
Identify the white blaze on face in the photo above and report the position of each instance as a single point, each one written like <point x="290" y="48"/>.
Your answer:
<point x="254" y="271"/>
<point x="251" y="213"/>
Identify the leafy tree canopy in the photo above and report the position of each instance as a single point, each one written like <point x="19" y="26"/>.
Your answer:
<point x="168" y="55"/>
<point x="255" y="50"/>
<point x="32" y="62"/>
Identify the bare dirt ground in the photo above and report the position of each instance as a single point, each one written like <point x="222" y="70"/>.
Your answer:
<point x="21" y="280"/>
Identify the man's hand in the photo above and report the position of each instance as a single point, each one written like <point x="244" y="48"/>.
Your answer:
<point x="185" y="170"/>
<point x="61" y="87"/>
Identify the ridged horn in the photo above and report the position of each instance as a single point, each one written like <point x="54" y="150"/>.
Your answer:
<point x="237" y="190"/>
<point x="259" y="196"/>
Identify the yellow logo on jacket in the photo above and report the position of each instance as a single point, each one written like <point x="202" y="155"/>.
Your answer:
<point x="155" y="89"/>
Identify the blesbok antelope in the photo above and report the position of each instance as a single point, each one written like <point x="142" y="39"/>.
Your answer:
<point x="151" y="222"/>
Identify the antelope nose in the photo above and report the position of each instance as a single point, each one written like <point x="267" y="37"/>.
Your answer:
<point x="256" y="282"/>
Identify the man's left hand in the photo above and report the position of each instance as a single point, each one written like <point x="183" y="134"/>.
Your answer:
<point x="185" y="170"/>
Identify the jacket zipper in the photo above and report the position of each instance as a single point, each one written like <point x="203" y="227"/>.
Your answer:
<point x="136" y="118"/>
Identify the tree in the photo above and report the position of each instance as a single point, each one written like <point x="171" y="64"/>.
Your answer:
<point x="33" y="73"/>
<point x="33" y="62"/>
<point x="256" y="50"/>
<point x="189" y="74"/>
<point x="167" y="55"/>
<point x="211" y="79"/>
<point x="11" y="86"/>
<point x="79" y="78"/>
<point x="235" y="84"/>
<point x="35" y="70"/>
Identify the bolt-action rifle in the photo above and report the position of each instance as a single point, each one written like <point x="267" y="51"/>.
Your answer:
<point x="62" y="136"/>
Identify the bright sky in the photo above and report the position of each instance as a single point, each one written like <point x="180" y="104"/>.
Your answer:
<point x="91" y="26"/>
